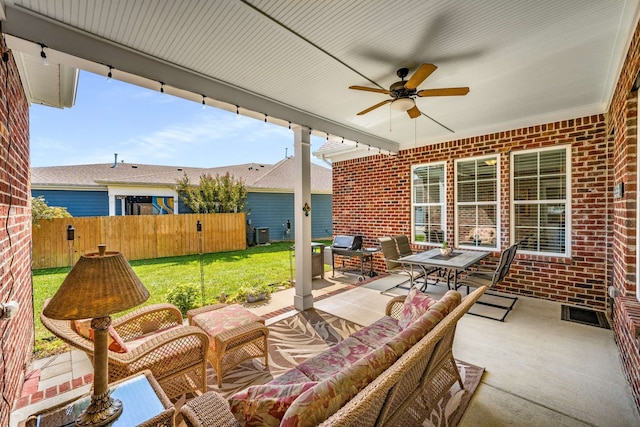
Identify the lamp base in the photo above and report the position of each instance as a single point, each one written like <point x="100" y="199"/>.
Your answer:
<point x="103" y="410"/>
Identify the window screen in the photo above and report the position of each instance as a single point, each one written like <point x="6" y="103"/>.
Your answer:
<point x="540" y="200"/>
<point x="477" y="203"/>
<point x="428" y="203"/>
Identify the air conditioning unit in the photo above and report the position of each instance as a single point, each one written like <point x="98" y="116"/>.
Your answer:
<point x="262" y="235"/>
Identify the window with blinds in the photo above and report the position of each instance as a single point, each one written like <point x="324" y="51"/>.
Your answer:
<point x="477" y="203"/>
<point x="540" y="200"/>
<point x="428" y="190"/>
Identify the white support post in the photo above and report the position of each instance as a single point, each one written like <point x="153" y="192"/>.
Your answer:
<point x="112" y="205"/>
<point x="303" y="299"/>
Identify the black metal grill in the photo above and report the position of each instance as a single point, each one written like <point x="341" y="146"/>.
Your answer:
<point x="352" y="243"/>
<point x="348" y="247"/>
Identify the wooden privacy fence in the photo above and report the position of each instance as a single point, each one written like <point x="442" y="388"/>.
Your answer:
<point x="137" y="236"/>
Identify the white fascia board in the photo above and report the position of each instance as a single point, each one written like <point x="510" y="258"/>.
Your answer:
<point x="69" y="187"/>
<point x="117" y="190"/>
<point x="284" y="191"/>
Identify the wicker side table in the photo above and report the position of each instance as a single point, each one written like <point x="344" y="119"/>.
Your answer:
<point x="236" y="335"/>
<point x="144" y="403"/>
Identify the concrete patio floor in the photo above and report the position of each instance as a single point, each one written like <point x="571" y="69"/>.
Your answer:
<point x="540" y="370"/>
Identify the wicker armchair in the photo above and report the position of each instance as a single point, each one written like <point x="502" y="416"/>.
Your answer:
<point x="210" y="410"/>
<point x="174" y="353"/>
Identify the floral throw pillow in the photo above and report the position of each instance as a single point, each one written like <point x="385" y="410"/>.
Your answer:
<point x="415" y="305"/>
<point x="115" y="343"/>
<point x="265" y="405"/>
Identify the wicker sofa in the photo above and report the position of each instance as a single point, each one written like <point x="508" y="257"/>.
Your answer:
<point x="155" y="339"/>
<point x="390" y="373"/>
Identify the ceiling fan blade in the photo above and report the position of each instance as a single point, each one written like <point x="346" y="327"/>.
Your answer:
<point x="413" y="112"/>
<point x="420" y="75"/>
<point x="371" y="89"/>
<point x="449" y="91"/>
<point x="379" y="104"/>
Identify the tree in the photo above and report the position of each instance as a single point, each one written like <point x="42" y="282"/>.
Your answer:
<point x="232" y="194"/>
<point x="40" y="211"/>
<point x="220" y="194"/>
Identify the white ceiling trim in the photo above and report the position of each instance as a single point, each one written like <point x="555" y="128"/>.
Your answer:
<point x="623" y="42"/>
<point x="291" y="61"/>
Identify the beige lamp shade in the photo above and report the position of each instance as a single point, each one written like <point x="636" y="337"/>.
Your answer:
<point x="98" y="285"/>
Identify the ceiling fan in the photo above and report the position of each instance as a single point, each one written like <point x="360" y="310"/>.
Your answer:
<point x="404" y="92"/>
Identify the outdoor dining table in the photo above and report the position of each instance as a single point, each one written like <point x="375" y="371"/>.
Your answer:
<point x="459" y="260"/>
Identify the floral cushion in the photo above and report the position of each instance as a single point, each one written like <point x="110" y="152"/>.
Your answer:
<point x="415" y="305"/>
<point x="320" y="402"/>
<point x="414" y="333"/>
<point x="114" y="342"/>
<point x="338" y="357"/>
<point x="141" y="339"/>
<point x="378" y="333"/>
<point x="224" y="319"/>
<point x="265" y="405"/>
<point x="419" y="328"/>
<point x="292" y="376"/>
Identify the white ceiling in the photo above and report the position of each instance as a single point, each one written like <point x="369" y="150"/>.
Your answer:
<point x="526" y="62"/>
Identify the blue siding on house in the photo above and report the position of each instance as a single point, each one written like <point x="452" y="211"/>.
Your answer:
<point x="78" y="203"/>
<point x="182" y="208"/>
<point x="321" y="216"/>
<point x="272" y="210"/>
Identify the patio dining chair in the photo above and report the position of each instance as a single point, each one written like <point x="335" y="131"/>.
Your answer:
<point x="484" y="276"/>
<point x="404" y="249"/>
<point x="391" y="256"/>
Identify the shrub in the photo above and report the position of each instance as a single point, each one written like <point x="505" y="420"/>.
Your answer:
<point x="254" y="289"/>
<point x="183" y="296"/>
<point x="41" y="211"/>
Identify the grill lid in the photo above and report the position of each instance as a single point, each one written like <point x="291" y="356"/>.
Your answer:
<point x="348" y="242"/>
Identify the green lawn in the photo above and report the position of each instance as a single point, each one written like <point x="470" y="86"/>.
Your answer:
<point x="223" y="272"/>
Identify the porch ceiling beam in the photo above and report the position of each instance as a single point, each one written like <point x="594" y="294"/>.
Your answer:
<point x="61" y="37"/>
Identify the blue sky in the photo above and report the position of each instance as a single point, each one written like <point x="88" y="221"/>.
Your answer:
<point x="146" y="127"/>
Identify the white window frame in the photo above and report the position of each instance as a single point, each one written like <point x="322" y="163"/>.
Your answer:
<point x="567" y="208"/>
<point x="443" y="204"/>
<point x="457" y="204"/>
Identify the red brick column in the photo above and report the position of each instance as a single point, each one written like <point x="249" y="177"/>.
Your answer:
<point x="16" y="335"/>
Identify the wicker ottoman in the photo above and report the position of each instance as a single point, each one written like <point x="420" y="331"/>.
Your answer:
<point x="236" y="335"/>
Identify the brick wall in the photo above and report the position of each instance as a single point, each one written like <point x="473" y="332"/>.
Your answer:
<point x="623" y="125"/>
<point x="16" y="335"/>
<point x="372" y="196"/>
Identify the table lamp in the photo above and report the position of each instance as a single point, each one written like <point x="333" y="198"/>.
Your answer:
<point x="99" y="285"/>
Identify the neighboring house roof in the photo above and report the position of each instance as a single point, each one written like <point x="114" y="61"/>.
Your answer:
<point x="281" y="176"/>
<point x="256" y="176"/>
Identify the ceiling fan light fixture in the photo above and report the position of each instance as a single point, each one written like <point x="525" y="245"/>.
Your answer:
<point x="403" y="104"/>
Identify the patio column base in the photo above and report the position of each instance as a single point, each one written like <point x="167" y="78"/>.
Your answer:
<point x="303" y="302"/>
